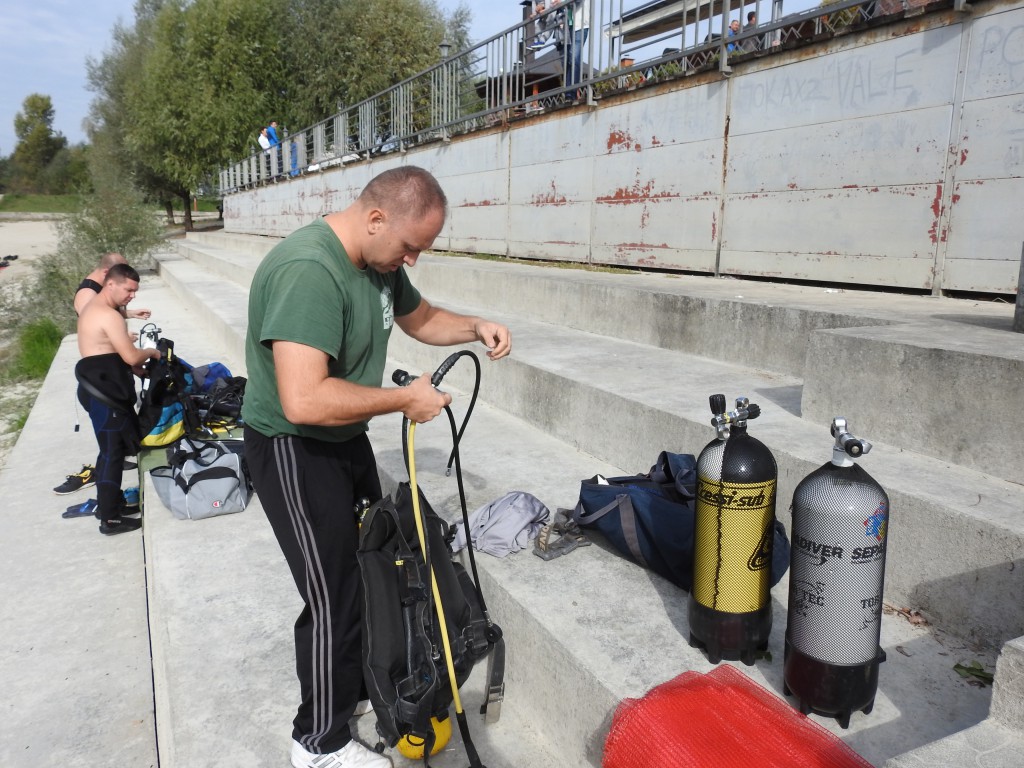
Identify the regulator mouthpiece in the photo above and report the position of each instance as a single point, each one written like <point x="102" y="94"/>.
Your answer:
<point x="847" y="447"/>
<point x="723" y="419"/>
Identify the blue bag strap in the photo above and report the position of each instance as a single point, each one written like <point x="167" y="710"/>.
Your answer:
<point x="627" y="519"/>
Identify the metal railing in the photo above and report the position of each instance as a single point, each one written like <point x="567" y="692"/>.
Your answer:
<point x="549" y="62"/>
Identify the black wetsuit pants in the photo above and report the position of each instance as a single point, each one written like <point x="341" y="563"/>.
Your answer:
<point x="308" y="489"/>
<point x="114" y="432"/>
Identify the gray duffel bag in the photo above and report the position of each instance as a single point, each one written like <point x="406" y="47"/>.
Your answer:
<point x="203" y="479"/>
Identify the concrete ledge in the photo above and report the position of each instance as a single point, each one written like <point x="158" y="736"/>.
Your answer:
<point x="1008" y="690"/>
<point x="941" y="388"/>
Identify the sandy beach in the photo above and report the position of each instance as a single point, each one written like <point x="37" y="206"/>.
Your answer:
<point x="28" y="239"/>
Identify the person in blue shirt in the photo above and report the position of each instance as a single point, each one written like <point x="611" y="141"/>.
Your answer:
<point x="734" y="29"/>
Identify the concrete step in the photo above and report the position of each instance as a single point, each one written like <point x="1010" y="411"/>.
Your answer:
<point x="836" y="344"/>
<point x="985" y="745"/>
<point x="561" y="638"/>
<point x="957" y="534"/>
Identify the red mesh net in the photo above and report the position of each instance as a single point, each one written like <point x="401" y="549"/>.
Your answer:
<point x="719" y="720"/>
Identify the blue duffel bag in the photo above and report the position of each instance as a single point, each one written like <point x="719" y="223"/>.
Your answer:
<point x="649" y="518"/>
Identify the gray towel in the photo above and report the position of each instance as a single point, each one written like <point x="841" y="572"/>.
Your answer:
<point x="504" y="525"/>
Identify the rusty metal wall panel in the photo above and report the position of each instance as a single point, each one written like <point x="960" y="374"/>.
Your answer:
<point x="657" y="183"/>
<point x="876" y="151"/>
<point x="550" y="189"/>
<point x="892" y="75"/>
<point x="985" y="231"/>
<point x="474" y="175"/>
<point x="829" y="267"/>
<point x="985" y="235"/>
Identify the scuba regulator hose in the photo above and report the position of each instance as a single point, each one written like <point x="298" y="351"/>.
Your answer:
<point x="402" y="378"/>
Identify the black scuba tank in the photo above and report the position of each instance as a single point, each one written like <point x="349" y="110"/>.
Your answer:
<point x="837" y="571"/>
<point x="730" y="610"/>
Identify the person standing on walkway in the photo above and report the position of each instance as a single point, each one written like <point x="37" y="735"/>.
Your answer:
<point x="87" y="290"/>
<point x="322" y="306"/>
<point x="577" y="15"/>
<point x="107" y="390"/>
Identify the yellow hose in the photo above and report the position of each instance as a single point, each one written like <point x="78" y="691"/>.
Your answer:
<point x="433" y="581"/>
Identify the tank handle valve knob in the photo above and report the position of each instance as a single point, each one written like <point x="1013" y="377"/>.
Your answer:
<point x="846" y="443"/>
<point x="753" y="411"/>
<point x="717" y="404"/>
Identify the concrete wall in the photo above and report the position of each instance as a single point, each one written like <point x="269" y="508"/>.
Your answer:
<point x="892" y="156"/>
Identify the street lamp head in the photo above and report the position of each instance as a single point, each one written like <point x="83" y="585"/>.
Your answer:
<point x="445" y="48"/>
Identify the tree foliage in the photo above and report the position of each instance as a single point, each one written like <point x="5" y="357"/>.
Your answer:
<point x="186" y="90"/>
<point x="41" y="162"/>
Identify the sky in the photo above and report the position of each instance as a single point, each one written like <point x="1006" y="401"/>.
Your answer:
<point x="44" y="45"/>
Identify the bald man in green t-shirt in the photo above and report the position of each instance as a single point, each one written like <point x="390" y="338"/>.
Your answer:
<point x="321" y="309"/>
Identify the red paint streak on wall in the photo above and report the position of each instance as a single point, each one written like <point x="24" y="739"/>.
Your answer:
<point x="956" y="198"/>
<point x="482" y="202"/>
<point x="619" y="139"/>
<point x="963" y="156"/>
<point x="933" y="231"/>
<point x="550" y="199"/>
<point x="655" y="141"/>
<point x="636" y="194"/>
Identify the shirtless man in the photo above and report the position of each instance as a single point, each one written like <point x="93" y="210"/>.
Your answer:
<point x="107" y="390"/>
<point x="87" y="290"/>
<point x="93" y="283"/>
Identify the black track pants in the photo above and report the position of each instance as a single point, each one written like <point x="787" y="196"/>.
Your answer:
<point x="307" y="488"/>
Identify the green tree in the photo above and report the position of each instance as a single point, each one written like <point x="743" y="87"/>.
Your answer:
<point x="68" y="172"/>
<point x="37" y="143"/>
<point x="112" y="166"/>
<point x="212" y="74"/>
<point x="345" y="52"/>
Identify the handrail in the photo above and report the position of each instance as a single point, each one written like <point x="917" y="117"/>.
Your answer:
<point x="511" y="75"/>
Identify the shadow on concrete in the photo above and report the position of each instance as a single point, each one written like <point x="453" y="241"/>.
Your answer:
<point x="1006" y="579"/>
<point x="787" y="398"/>
<point x="981" y="321"/>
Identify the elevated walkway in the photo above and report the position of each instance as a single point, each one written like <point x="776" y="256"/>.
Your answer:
<point x="607" y="370"/>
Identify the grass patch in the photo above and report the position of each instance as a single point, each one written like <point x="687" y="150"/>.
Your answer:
<point x="35" y="349"/>
<point x="40" y="203"/>
<point x="203" y="206"/>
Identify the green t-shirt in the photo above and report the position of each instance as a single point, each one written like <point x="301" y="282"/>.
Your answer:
<point x="307" y="290"/>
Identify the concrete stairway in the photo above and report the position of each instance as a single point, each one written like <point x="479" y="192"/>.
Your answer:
<point x="609" y="369"/>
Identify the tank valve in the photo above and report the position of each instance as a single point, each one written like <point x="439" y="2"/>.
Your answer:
<point x="722" y="419"/>
<point x="847" y="446"/>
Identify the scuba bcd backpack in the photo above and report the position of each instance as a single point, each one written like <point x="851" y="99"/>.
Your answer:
<point x="166" y="410"/>
<point x="404" y="661"/>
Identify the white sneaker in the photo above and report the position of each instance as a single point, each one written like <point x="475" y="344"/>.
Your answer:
<point x="364" y="707"/>
<point x="352" y="755"/>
